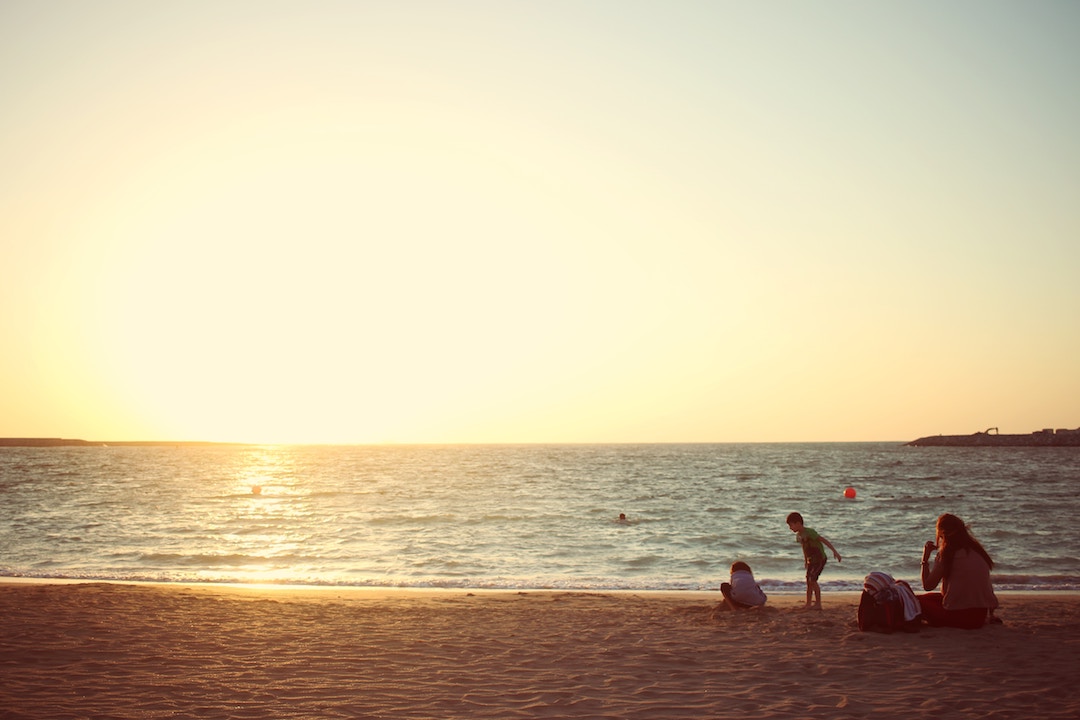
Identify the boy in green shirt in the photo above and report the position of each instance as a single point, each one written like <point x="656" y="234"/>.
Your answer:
<point x="813" y="547"/>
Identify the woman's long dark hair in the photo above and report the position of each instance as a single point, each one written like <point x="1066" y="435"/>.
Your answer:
<point x="957" y="537"/>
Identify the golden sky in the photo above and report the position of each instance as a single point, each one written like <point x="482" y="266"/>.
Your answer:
<point x="538" y="221"/>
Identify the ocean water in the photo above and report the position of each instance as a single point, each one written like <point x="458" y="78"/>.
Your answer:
<point x="527" y="516"/>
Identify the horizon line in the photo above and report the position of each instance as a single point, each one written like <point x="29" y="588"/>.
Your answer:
<point x="77" y="442"/>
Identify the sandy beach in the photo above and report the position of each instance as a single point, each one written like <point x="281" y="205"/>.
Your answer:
<point x="97" y="650"/>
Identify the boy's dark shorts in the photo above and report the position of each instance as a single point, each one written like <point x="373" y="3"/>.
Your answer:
<point x="814" y="568"/>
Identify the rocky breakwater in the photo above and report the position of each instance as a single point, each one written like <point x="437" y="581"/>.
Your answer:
<point x="991" y="438"/>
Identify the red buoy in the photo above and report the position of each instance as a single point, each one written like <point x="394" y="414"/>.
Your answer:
<point x="849" y="493"/>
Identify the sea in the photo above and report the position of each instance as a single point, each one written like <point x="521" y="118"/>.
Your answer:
<point x="527" y="516"/>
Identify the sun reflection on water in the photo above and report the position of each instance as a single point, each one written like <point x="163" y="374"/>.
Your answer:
<point x="260" y="521"/>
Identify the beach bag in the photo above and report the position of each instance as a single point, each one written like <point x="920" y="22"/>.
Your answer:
<point x="887" y="606"/>
<point x="878" y="613"/>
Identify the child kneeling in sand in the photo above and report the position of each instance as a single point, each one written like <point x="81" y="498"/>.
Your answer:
<point x="743" y="591"/>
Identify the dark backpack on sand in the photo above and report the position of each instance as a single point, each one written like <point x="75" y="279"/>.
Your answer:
<point x="884" y="615"/>
<point x="881" y="608"/>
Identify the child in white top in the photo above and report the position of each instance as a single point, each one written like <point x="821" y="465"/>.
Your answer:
<point x="743" y="591"/>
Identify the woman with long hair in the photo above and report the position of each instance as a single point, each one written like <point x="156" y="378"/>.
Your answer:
<point x="962" y="566"/>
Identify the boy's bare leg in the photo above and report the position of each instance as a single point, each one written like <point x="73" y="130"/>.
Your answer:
<point x="813" y="596"/>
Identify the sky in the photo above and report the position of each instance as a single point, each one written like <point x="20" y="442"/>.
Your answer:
<point x="559" y="221"/>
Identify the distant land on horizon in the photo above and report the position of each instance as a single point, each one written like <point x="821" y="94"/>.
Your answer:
<point x="71" y="442"/>
<point x="1040" y="438"/>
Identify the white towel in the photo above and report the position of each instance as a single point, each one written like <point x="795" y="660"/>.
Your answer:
<point x="912" y="609"/>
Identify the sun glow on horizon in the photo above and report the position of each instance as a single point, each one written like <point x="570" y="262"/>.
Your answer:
<point x="364" y="223"/>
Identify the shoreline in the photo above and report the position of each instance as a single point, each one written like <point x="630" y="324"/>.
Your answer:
<point x="162" y="650"/>
<point x="390" y="590"/>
